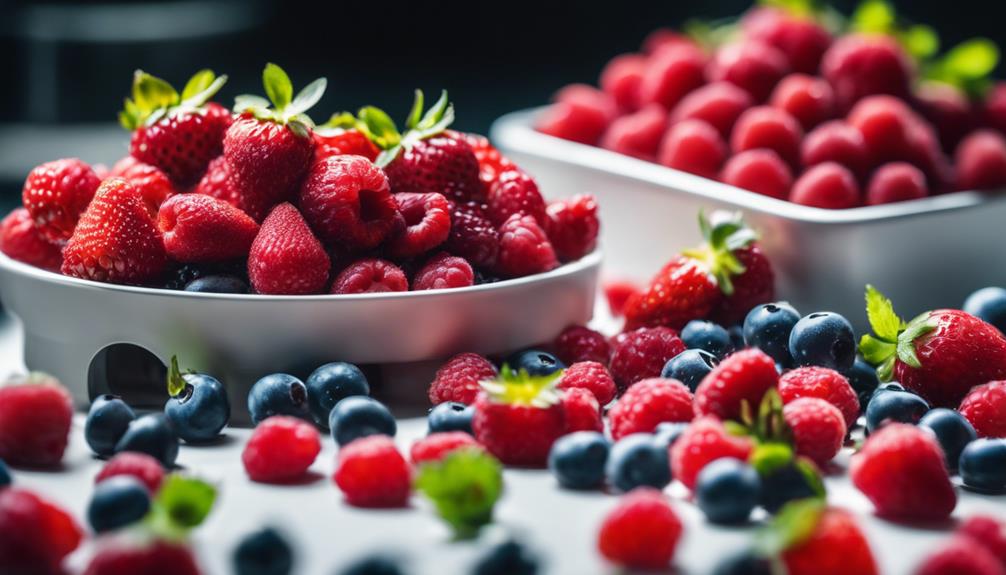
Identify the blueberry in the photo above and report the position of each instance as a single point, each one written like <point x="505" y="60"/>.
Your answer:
<point x="988" y="304"/>
<point x="784" y="484"/>
<point x="708" y="336"/>
<point x="507" y="558"/>
<point x="736" y="336"/>
<point x="330" y="384"/>
<point x="359" y="416"/>
<point x="689" y="367"/>
<point x="117" y="502"/>
<point x="374" y="565"/>
<point x="667" y="433"/>
<point x="983" y="465"/>
<point x="863" y="379"/>
<point x="198" y="408"/>
<point x="535" y="362"/>
<point x="727" y="490"/>
<point x="746" y="563"/>
<point x="889" y="405"/>
<point x="263" y="552"/>
<point x="768" y="326"/>
<point x="638" y="460"/>
<point x="450" y="416"/>
<point x="278" y="394"/>
<point x="107" y="420"/>
<point x="577" y="460"/>
<point x="5" y="478"/>
<point x="952" y="430"/>
<point x="217" y="284"/>
<point x="151" y="434"/>
<point x="823" y="338"/>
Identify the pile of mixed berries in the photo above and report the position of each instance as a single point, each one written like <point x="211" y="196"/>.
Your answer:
<point x="795" y="102"/>
<point x="260" y="200"/>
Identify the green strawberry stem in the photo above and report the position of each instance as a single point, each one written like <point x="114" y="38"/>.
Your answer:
<point x="176" y="383"/>
<point x="153" y="98"/>
<point x="463" y="487"/>
<point x="724" y="233"/>
<point x="521" y="388"/>
<point x="283" y="107"/>
<point x="892" y="338"/>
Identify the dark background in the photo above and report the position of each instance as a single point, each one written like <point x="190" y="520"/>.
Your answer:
<point x="67" y="66"/>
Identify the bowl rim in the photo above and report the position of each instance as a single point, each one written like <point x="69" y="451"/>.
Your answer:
<point x="514" y="131"/>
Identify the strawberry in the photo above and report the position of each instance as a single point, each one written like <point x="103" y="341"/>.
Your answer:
<point x="756" y="285"/>
<point x="35" y="535"/>
<point x="270" y="148"/>
<point x="154" y="557"/>
<point x="56" y="193"/>
<point x="743" y="377"/>
<point x="339" y="136"/>
<point x="153" y="184"/>
<point x="961" y="556"/>
<point x="641" y="532"/>
<point x="285" y="257"/>
<point x="177" y="133"/>
<point x="940" y="354"/>
<point x="702" y="442"/>
<point x="199" y="228"/>
<point x="35" y="417"/>
<point x="518" y="417"/>
<point x="116" y="240"/>
<point x="21" y="240"/>
<point x="217" y="182"/>
<point x="809" y="538"/>
<point x="491" y="162"/>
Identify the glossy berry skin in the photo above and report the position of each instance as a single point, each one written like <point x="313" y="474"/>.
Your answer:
<point x="727" y="490"/>
<point x="591" y="377"/>
<point x="961" y="554"/>
<point x="340" y="142"/>
<point x="822" y="383"/>
<point x="983" y="465"/>
<point x="579" y="343"/>
<point x="116" y="503"/>
<point x="824" y="339"/>
<point x="807" y="99"/>
<point x="984" y="407"/>
<point x="581" y="410"/>
<point x="896" y="182"/>
<point x="37" y="535"/>
<point x="444" y="271"/>
<point x="759" y="171"/>
<point x="577" y="460"/>
<point x="836" y="546"/>
<point x="693" y="146"/>
<point x="507" y="558"/>
<point x="106" y="423"/>
<point x="458" y="380"/>
<point x="330" y="384"/>
<point x="753" y="66"/>
<point x="286" y="258"/>
<point x="828" y="185"/>
<point x="140" y="466"/>
<point x="802" y="39"/>
<point x="278" y="394"/>
<point x="836" y="141"/>
<point x="21" y="241"/>
<point x="151" y="434"/>
<point x="372" y="473"/>
<point x="894" y="406"/>
<point x="768" y="326"/>
<point x="198" y="228"/>
<point x="281" y="449"/>
<point x="952" y="430"/>
<point x="641" y="532"/>
<point x="719" y="104"/>
<point x="56" y="194"/>
<point x="648" y="403"/>
<point x="765" y="127"/>
<point x="439" y="164"/>
<point x="573" y="226"/>
<point x="704" y="441"/>
<point x="217" y="284"/>
<point x="359" y="416"/>
<point x="858" y="65"/>
<point x="35" y="420"/>
<point x="818" y="428"/>
<point x="159" y="556"/>
<point x="989" y="305"/>
<point x="450" y="416"/>
<point x="515" y="192"/>
<point x="981" y="161"/>
<point x="621" y="79"/>
<point x="742" y="377"/>
<point x="863" y="379"/>
<point x="638" y="460"/>
<point x="182" y="144"/>
<point x="689" y="367"/>
<point x="200" y="412"/>
<point x="643" y="353"/>
<point x="755" y="286"/>
<point x="518" y="434"/>
<point x="707" y="336"/>
<point x="535" y="362"/>
<point x="263" y="552"/>
<point x="473" y="236"/>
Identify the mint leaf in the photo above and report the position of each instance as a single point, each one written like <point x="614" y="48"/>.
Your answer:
<point x="184" y="502"/>
<point x="880" y="312"/>
<point x="464" y="488"/>
<point x="277" y="86"/>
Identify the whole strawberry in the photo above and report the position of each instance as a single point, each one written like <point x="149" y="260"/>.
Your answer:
<point x="285" y="257"/>
<point x="153" y="184"/>
<point x="199" y="228"/>
<point x="940" y="354"/>
<point x="56" y="194"/>
<point x="491" y="162"/>
<point x="35" y="417"/>
<point x="21" y="240"/>
<point x="177" y="133"/>
<point x="809" y="538"/>
<point x="961" y="556"/>
<point x="35" y="535"/>
<point x="519" y="416"/>
<point x="339" y="136"/>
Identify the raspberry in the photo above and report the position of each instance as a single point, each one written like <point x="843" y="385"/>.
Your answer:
<point x="579" y="343"/>
<point x="524" y="248"/>
<point x="985" y="407"/>
<point x="622" y="79"/>
<point x="988" y="531"/>
<point x="427" y="224"/>
<point x="818" y="428"/>
<point x="35" y="535"/>
<point x="642" y="353"/>
<point x="618" y="292"/>
<point x="860" y="65"/>
<point x="56" y="194"/>
<point x="742" y="377"/>
<point x="993" y="109"/>
<point x="372" y="473"/>
<point x="473" y="237"/>
<point x="759" y="171"/>
<point x="286" y="258"/>
<point x="896" y="182"/>
<point x="436" y="446"/>
<point x="901" y="470"/>
<point x="752" y="66"/>
<point x="280" y="450"/>
<point x="156" y="557"/>
<point x="981" y="161"/>
<point x="35" y="419"/>
<point x="803" y="40"/>
<point x="20" y="240"/>
<point x="663" y="39"/>
<point x="581" y="410"/>
<point x="838" y="142"/>
<point x="370" y="276"/>
<point x="641" y="532"/>
<point x="444" y="271"/>
<point x="703" y="441"/>
<point x="139" y="465"/>
<point x="458" y="379"/>
<point x="580" y="113"/>
<point x="719" y="104"/>
<point x="828" y="185"/>
<point x="198" y="228"/>
<point x="823" y="383"/>
<point x="491" y="162"/>
<point x="648" y="403"/>
<point x="769" y="128"/>
<point x="637" y="134"/>
<point x="961" y="555"/>
<point x="671" y="74"/>
<point x="693" y="146"/>
<point x="948" y="109"/>
<point x="894" y="132"/>
<point x="834" y="546"/>
<point x="591" y="376"/>
<point x="515" y="193"/>
<point x="572" y="226"/>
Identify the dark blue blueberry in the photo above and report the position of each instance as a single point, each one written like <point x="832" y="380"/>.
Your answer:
<point x="667" y="433"/>
<point x="507" y="558"/>
<point x="375" y="565"/>
<point x="577" y="460"/>
<point x="727" y="490"/>
<point x="5" y="478"/>
<point x="768" y="326"/>
<point x="988" y="304"/>
<point x="117" y="502"/>
<point x="200" y="409"/>
<point x="784" y="484"/>
<point x="863" y="379"/>
<point x="450" y="416"/>
<point x="888" y="386"/>
<point x="263" y="552"/>
<point x="708" y="336"/>
<point x="217" y="284"/>
<point x="894" y="405"/>
<point x="952" y="430"/>
<point x="736" y="336"/>
<point x="278" y="394"/>
<point x="638" y="460"/>
<point x="823" y="338"/>
<point x="746" y="563"/>
<point x="689" y="367"/>
<point x="330" y="384"/>
<point x="359" y="416"/>
<point x="107" y="420"/>
<point x="983" y="465"/>
<point x="151" y="434"/>
<point x="535" y="362"/>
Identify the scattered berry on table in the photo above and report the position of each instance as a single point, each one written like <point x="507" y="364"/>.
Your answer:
<point x="280" y="450"/>
<point x="535" y="362"/>
<point x="372" y="473"/>
<point x="581" y="410"/>
<point x="106" y="422"/>
<point x="278" y="394"/>
<point x="436" y="446"/>
<point x="198" y="408"/>
<point x="983" y="465"/>
<point x="742" y="377"/>
<point x="463" y="487"/>
<point x="158" y="556"/>
<point x="509" y="557"/>
<point x="450" y="416"/>
<point x="358" y="416"/>
<point x="116" y="503"/>
<point x="952" y="430"/>
<point x="37" y="534"/>
<point x="641" y="531"/>
<point x="578" y="460"/>
<point x="818" y="428"/>
<point x="330" y="384"/>
<point x="707" y="336"/>
<point x="823" y="530"/>
<point x="444" y="271"/>
<point x="893" y="405"/>
<point x="643" y="353"/>
<point x="989" y="305"/>
<point x="689" y="367"/>
<point x="704" y="441"/>
<point x="153" y="435"/>
<point x="863" y="378"/>
<point x="591" y="376"/>
<point x="987" y="530"/>
<point x="823" y="339"/>
<point x="579" y="343"/>
<point x="985" y="407"/>
<point x="263" y="552"/>
<point x="638" y="460"/>
<point x="36" y="414"/>
<point x="823" y="383"/>
<point x="519" y="416"/>
<point x="141" y="466"/>
<point x="370" y="276"/>
<point x="727" y="490"/>
<point x="648" y="403"/>
<point x="960" y="555"/>
<point x="458" y="380"/>
<point x="768" y="326"/>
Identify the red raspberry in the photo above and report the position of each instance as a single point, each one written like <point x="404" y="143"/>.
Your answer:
<point x="896" y="182"/>
<point x="860" y="65"/>
<point x="444" y="271"/>
<point x="198" y="228"/>
<point x="524" y="248"/>
<point x="993" y="109"/>
<point x="427" y="224"/>
<point x="637" y="134"/>
<point x="769" y="128"/>
<point x="56" y="194"/>
<point x="961" y="556"/>
<point x="704" y="441"/>
<point x="285" y="257"/>
<point x="948" y="109"/>
<point x="280" y="450"/>
<point x="519" y="421"/>
<point x="807" y="98"/>
<point x="579" y="343"/>
<point x="436" y="446"/>
<point x="216" y="182"/>
<point x="988" y="531"/>
<point x="642" y="354"/>
<point x="834" y="546"/>
<point x="372" y="473"/>
<point x="648" y="403"/>
<point x="21" y="241"/>
<point x="753" y="287"/>
<point x="491" y="162"/>
<point x="156" y="557"/>
<point x="719" y="104"/>
<point x="752" y="66"/>
<point x="515" y="192"/>
<point x="618" y="292"/>
<point x="742" y="377"/>
<point x="622" y="79"/>
<point x="35" y="535"/>
<point x="981" y="161"/>
<point x="581" y="410"/>
<point x="760" y="171"/>
<point x="591" y="376"/>
<point x="985" y="407"/>
<point x="838" y="142"/>
<point x="35" y="418"/>
<point x="828" y="185"/>
<point x="664" y="38"/>
<point x="458" y="379"/>
<point x="339" y="142"/>
<point x="641" y="532"/>
<point x="134" y="464"/>
<point x="153" y="184"/>
<point x="572" y="226"/>
<point x="818" y="428"/>
<point x="693" y="146"/>
<point x="473" y="237"/>
<point x="822" y="383"/>
<point x="893" y="132"/>
<point x="580" y="113"/>
<point x="370" y="276"/>
<point x="800" y="38"/>
<point x="901" y="469"/>
<point x="671" y="74"/>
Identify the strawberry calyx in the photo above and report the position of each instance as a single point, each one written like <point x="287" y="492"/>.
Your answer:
<point x="154" y="99"/>
<point x="419" y="125"/>
<point x="282" y="107"/>
<point x="892" y="339"/>
<point x="879" y="17"/>
<point x="795" y="523"/>
<point x="463" y="487"/>
<point x="182" y="504"/>
<point x="521" y="388"/>
<point x="724" y="233"/>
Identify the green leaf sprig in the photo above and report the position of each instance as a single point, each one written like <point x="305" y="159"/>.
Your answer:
<point x="282" y="106"/>
<point x="724" y="234"/>
<point x="154" y="99"/>
<point x="464" y="487"/>
<point x="892" y="338"/>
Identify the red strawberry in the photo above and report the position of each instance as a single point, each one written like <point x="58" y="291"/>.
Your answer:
<point x="940" y="354"/>
<point x="961" y="556"/>
<point x="340" y="141"/>
<point x="35" y="414"/>
<point x="819" y="540"/>
<point x="702" y="442"/>
<point x="153" y="184"/>
<point x="21" y="240"/>
<point x="823" y="383"/>
<point x="177" y="133"/>
<point x="742" y="377"/>
<point x="818" y="428"/>
<point x="150" y="557"/>
<point x="117" y="240"/>
<point x="518" y="417"/>
<point x="491" y="162"/>
<point x="217" y="183"/>
<point x="648" y="403"/>
<point x="199" y="228"/>
<point x="618" y="292"/>
<point x="572" y="226"/>
<point x="641" y="532"/>
<point x="985" y="407"/>
<point x="756" y="285"/>
<point x="35" y="535"/>
<point x="285" y="257"/>
<point x="56" y="194"/>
